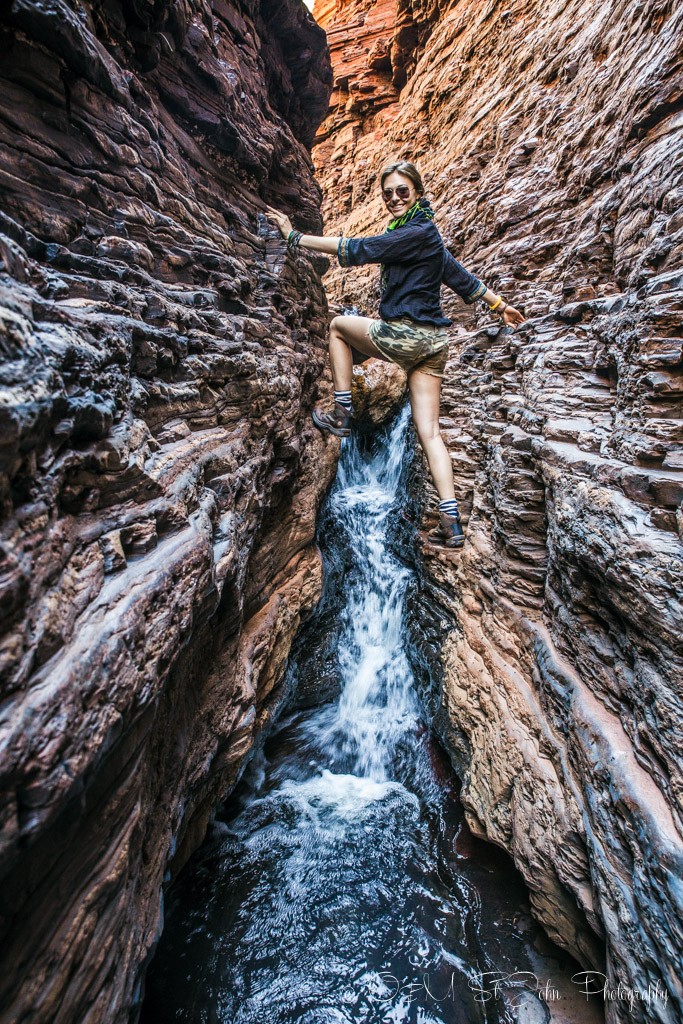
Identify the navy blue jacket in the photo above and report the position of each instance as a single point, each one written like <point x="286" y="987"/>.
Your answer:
<point x="415" y="263"/>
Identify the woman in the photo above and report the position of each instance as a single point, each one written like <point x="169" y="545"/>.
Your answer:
<point x="412" y="329"/>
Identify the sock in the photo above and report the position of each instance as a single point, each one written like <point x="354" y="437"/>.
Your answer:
<point x="449" y="507"/>
<point x="343" y="398"/>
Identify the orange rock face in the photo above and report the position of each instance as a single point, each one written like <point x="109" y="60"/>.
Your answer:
<point x="548" y="136"/>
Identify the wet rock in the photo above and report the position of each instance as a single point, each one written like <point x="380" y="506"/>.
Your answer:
<point x="379" y="390"/>
<point x="159" y="474"/>
<point x="547" y="144"/>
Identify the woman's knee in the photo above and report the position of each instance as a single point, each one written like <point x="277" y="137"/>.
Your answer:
<point x="335" y="337"/>
<point x="428" y="433"/>
<point x="336" y="328"/>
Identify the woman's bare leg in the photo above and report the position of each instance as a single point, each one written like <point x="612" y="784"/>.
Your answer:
<point x="344" y="332"/>
<point x="425" y="399"/>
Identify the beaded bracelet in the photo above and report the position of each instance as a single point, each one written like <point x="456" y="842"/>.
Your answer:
<point x="294" y="239"/>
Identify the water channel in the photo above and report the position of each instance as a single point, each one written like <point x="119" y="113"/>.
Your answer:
<point x="340" y="884"/>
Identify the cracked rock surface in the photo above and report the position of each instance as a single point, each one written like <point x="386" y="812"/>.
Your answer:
<point x="159" y="473"/>
<point x="549" y="137"/>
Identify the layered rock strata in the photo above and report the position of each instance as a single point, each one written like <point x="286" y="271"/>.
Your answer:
<point x="549" y="136"/>
<point x="160" y="475"/>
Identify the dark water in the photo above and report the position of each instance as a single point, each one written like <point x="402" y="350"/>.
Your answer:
<point x="341" y="884"/>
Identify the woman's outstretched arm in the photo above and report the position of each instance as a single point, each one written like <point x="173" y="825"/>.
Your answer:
<point x="471" y="289"/>
<point x="496" y="303"/>
<point x="319" y="243"/>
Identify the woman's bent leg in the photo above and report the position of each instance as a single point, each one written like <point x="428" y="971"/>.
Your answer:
<point x="425" y="399"/>
<point x="344" y="332"/>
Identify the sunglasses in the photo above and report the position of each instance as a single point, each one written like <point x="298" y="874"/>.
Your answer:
<point x="402" y="191"/>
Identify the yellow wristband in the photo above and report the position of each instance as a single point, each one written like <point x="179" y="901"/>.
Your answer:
<point x="496" y="303"/>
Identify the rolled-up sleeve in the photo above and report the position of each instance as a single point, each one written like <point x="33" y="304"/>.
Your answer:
<point x="461" y="281"/>
<point x="400" y="246"/>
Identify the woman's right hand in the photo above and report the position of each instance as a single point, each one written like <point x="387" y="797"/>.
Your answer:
<point x="281" y="219"/>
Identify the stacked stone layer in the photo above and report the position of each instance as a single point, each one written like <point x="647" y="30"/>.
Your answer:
<point x="159" y="472"/>
<point x="549" y="137"/>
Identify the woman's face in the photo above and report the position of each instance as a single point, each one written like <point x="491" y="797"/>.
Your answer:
<point x="398" y="193"/>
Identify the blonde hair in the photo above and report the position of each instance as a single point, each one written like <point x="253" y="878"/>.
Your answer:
<point x="408" y="170"/>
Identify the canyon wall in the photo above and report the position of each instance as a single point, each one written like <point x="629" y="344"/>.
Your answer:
<point x="549" y="137"/>
<point x="160" y="474"/>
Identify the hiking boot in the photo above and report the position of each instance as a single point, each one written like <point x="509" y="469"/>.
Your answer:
<point x="338" y="421"/>
<point x="448" y="534"/>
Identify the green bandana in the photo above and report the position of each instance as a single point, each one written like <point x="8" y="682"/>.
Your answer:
<point x="419" y="206"/>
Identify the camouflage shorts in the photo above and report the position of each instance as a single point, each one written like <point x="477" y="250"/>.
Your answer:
<point x="411" y="345"/>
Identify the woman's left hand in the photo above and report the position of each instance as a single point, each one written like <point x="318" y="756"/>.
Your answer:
<point x="512" y="316"/>
<point x="281" y="219"/>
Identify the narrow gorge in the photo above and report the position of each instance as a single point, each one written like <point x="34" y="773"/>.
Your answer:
<point x="161" y="478"/>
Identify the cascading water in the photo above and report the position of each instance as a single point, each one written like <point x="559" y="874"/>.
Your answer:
<point x="341" y="888"/>
<point x="377" y="710"/>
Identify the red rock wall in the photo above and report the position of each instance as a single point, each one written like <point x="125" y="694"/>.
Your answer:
<point x="159" y="473"/>
<point x="549" y="136"/>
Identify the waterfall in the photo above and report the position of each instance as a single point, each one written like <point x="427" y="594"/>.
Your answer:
<point x="334" y="891"/>
<point x="377" y="709"/>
